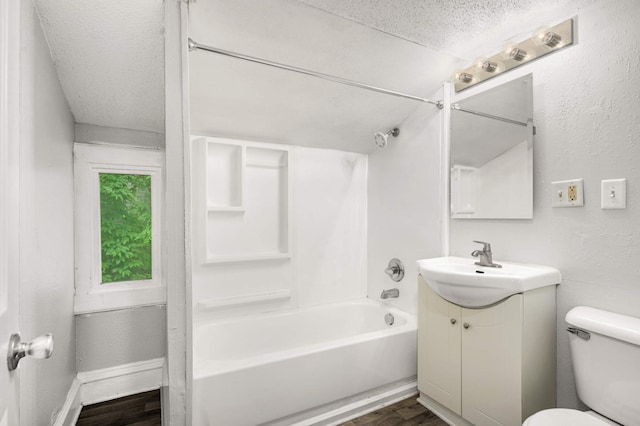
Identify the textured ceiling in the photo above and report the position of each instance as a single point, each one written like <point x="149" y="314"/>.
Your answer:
<point x="463" y="28"/>
<point x="109" y="55"/>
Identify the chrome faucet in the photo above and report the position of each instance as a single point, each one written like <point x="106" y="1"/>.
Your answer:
<point x="485" y="255"/>
<point x="394" y="292"/>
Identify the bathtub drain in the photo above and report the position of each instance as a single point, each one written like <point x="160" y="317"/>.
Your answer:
<point x="389" y="319"/>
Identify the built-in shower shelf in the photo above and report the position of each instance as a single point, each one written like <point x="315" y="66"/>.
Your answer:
<point x="225" y="209"/>
<point x="251" y="299"/>
<point x="265" y="164"/>
<point x="243" y="191"/>
<point x="248" y="258"/>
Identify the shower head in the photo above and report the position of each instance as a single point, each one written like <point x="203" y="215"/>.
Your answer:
<point x="381" y="138"/>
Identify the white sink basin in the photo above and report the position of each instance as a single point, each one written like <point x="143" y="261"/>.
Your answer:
<point x="460" y="281"/>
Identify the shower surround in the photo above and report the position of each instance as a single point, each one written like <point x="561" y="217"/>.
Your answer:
<point x="275" y="226"/>
<point x="280" y="288"/>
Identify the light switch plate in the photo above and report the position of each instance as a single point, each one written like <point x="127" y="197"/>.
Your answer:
<point x="567" y="193"/>
<point x="613" y="194"/>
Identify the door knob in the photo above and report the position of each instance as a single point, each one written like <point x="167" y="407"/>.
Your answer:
<point x="41" y="347"/>
<point x="466" y="325"/>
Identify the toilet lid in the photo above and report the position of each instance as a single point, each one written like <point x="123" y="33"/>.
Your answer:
<point x="563" y="417"/>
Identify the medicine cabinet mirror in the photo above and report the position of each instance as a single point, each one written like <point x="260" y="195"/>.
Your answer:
<point x="492" y="153"/>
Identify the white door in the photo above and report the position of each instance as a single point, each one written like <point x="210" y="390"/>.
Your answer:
<point x="439" y="348"/>
<point x="9" y="63"/>
<point x="492" y="363"/>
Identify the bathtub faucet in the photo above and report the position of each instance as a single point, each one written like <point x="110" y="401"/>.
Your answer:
<point x="394" y="292"/>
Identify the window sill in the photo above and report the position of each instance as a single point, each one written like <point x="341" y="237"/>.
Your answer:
<point x="114" y="299"/>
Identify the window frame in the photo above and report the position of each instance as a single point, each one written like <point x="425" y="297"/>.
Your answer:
<point x="90" y="160"/>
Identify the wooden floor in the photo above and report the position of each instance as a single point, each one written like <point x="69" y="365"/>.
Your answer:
<point x="406" y="413"/>
<point x="142" y="409"/>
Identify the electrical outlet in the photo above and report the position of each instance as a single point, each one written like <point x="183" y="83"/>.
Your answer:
<point x="567" y="193"/>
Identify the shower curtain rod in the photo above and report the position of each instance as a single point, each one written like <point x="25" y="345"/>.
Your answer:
<point x="196" y="46"/>
<point x="457" y="107"/>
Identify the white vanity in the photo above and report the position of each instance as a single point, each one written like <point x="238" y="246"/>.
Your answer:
<point x="486" y="340"/>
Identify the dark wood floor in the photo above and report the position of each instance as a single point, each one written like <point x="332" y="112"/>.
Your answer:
<point x="142" y="409"/>
<point x="407" y="412"/>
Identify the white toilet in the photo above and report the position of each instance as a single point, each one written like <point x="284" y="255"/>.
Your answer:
<point x="605" y="351"/>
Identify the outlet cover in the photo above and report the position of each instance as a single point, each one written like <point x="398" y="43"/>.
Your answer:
<point x="567" y="193"/>
<point x="613" y="194"/>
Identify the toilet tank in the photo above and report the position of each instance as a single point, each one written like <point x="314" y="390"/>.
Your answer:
<point x="606" y="366"/>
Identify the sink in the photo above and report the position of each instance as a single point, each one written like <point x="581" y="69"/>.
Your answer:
<point x="460" y="281"/>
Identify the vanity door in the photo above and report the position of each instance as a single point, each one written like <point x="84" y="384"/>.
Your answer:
<point x="492" y="363"/>
<point x="439" y="348"/>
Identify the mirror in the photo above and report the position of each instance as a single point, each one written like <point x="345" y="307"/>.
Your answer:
<point x="492" y="153"/>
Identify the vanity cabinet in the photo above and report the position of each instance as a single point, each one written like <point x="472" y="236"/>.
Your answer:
<point x="488" y="366"/>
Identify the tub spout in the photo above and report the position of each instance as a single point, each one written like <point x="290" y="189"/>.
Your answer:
<point x="394" y="292"/>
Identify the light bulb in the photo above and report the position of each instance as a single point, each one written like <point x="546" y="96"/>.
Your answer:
<point x="465" y="77"/>
<point x="489" y="66"/>
<point x="517" y="54"/>
<point x="550" y="39"/>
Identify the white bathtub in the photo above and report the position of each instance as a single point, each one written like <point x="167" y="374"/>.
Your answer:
<point x="269" y="367"/>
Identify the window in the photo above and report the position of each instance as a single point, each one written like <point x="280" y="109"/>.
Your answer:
<point x="125" y="227"/>
<point x="117" y="208"/>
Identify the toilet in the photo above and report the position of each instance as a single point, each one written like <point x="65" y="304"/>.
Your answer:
<point x="605" y="352"/>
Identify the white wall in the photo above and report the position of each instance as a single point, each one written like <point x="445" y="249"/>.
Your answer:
<point x="109" y="339"/>
<point x="330" y="231"/>
<point x="586" y="112"/>
<point x="504" y="184"/>
<point x="249" y="101"/>
<point x="46" y="225"/>
<point x="89" y="133"/>
<point x="404" y="203"/>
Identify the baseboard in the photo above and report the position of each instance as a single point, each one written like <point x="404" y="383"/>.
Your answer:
<point x="362" y="407"/>
<point x="441" y="411"/>
<point x="91" y="387"/>
<point x="70" y="411"/>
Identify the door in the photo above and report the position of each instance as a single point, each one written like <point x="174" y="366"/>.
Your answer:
<point x="9" y="63"/>
<point x="492" y="363"/>
<point x="438" y="348"/>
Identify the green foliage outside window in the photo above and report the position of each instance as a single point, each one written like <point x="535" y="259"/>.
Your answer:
<point x="125" y="227"/>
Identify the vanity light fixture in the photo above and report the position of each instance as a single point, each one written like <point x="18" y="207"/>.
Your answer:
<point x="542" y="43"/>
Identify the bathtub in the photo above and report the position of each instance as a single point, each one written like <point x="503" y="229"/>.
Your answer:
<point x="273" y="368"/>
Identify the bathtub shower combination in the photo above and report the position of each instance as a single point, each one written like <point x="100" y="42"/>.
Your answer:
<point x="284" y="367"/>
<point x="283" y="330"/>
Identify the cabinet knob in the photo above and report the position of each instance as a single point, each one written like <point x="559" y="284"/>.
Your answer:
<point x="466" y="325"/>
<point x="453" y="320"/>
